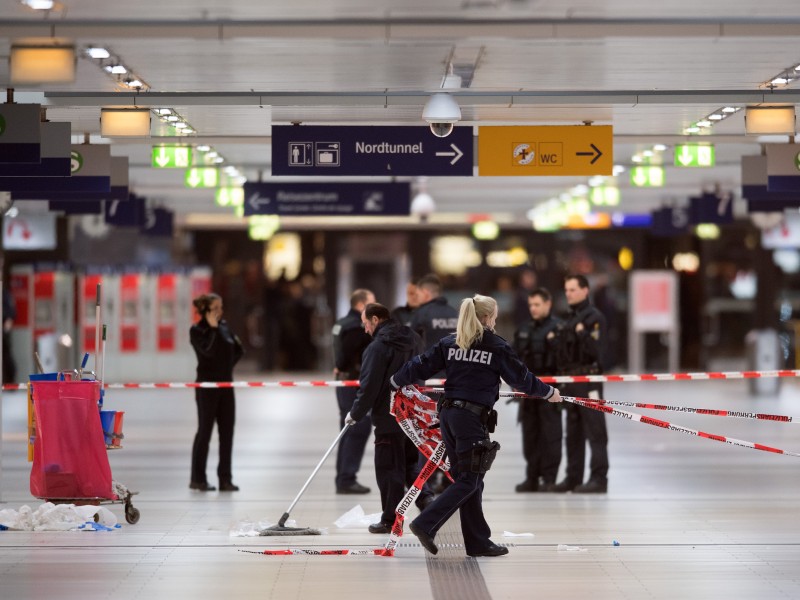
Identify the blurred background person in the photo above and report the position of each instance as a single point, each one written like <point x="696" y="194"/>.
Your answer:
<point x="402" y="314"/>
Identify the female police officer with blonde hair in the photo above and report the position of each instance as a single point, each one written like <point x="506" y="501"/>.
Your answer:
<point x="474" y="358"/>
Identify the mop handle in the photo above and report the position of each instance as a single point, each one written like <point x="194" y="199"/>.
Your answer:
<point x="102" y="371"/>
<point x="285" y="516"/>
<point x="97" y="329"/>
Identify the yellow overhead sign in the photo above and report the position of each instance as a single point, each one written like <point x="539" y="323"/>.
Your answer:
<point x="546" y="150"/>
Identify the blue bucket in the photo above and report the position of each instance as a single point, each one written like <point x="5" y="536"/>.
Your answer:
<point x="107" y="421"/>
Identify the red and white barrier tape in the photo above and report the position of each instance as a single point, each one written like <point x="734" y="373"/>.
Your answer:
<point x="295" y="551"/>
<point x="599" y="406"/>
<point x="354" y="383"/>
<point x="709" y="412"/>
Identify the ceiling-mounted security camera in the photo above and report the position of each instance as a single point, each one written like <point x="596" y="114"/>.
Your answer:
<point x="441" y="112"/>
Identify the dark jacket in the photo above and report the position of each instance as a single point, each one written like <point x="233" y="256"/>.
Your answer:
<point x="473" y="374"/>
<point x="403" y="314"/>
<point x="434" y="320"/>
<point x="581" y="353"/>
<point x="217" y="350"/>
<point x="536" y="350"/>
<point x="392" y="345"/>
<point x="349" y="341"/>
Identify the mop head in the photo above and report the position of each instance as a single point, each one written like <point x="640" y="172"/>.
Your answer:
<point x="278" y="530"/>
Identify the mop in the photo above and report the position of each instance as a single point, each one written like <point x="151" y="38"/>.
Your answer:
<point x="280" y="528"/>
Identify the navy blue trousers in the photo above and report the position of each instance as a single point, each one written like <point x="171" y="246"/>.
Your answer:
<point x="352" y="445"/>
<point x="585" y="425"/>
<point x="541" y="438"/>
<point x="460" y="430"/>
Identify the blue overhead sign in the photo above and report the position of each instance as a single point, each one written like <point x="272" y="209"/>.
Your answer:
<point x="370" y="150"/>
<point x="20" y="136"/>
<point x="327" y="199"/>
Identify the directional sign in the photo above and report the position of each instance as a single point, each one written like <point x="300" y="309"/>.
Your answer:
<point x="55" y="154"/>
<point x="365" y="150"/>
<point x="783" y="167"/>
<point x="171" y="156"/>
<point x="202" y="177"/>
<point x="695" y="155"/>
<point x="754" y="188"/>
<point x="125" y="214"/>
<point x="19" y="133"/>
<point x="547" y="150"/>
<point x="647" y="176"/>
<point x="324" y="198"/>
<point x="711" y="208"/>
<point x="91" y="172"/>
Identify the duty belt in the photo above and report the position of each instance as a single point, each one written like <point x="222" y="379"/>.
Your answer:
<point x="479" y="409"/>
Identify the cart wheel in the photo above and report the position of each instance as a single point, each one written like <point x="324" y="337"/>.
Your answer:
<point x="131" y="514"/>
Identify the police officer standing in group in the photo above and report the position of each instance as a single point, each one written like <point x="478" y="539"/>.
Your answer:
<point x="535" y="343"/>
<point x="349" y="342"/>
<point x="434" y="318"/>
<point x="581" y="342"/>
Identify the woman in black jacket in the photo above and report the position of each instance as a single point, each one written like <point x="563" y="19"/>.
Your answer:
<point x="218" y="350"/>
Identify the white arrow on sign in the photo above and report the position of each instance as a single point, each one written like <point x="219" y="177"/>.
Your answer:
<point x="162" y="159"/>
<point x="685" y="157"/>
<point x="256" y="201"/>
<point x="457" y="153"/>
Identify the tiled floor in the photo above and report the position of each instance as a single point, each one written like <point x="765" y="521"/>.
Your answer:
<point x="695" y="519"/>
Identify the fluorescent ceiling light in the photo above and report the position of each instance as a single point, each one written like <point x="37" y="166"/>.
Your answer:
<point x="759" y="120"/>
<point x="163" y="111"/>
<point x="729" y="109"/>
<point x="39" y="4"/>
<point x="715" y="117"/>
<point x="180" y="125"/>
<point x="692" y="129"/>
<point x="659" y="147"/>
<point x="203" y="148"/>
<point x="134" y="83"/>
<point x="124" y="122"/>
<point x="780" y="81"/>
<point x="704" y="123"/>
<point x="173" y="118"/>
<point x="42" y="63"/>
<point x="98" y="53"/>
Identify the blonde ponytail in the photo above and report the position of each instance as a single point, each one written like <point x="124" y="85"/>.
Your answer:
<point x="474" y="314"/>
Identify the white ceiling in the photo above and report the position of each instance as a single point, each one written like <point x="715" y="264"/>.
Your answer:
<point x="235" y="68"/>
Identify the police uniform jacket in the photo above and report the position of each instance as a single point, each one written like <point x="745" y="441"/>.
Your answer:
<point x="473" y="374"/>
<point x="392" y="345"/>
<point x="533" y="346"/>
<point x="349" y="341"/>
<point x="582" y="351"/>
<point x="217" y="349"/>
<point x="434" y="320"/>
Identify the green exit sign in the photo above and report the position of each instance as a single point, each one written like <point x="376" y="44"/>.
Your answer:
<point x="694" y="155"/>
<point x="171" y="157"/>
<point x="647" y="176"/>
<point x="202" y="177"/>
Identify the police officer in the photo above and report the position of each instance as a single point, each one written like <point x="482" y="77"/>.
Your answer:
<point x="395" y="454"/>
<point x="402" y="314"/>
<point x="434" y="318"/>
<point x="581" y="341"/>
<point x="349" y="342"/>
<point x="535" y="342"/>
<point x="475" y="359"/>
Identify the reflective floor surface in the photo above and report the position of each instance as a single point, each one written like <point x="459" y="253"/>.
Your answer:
<point x="684" y="517"/>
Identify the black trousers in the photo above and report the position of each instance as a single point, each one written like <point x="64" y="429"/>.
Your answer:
<point x="541" y="438"/>
<point x="353" y="443"/>
<point x="460" y="430"/>
<point x="395" y="470"/>
<point x="585" y="425"/>
<point x="213" y="406"/>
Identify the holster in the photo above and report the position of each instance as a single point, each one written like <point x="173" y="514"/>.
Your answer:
<point x="481" y="457"/>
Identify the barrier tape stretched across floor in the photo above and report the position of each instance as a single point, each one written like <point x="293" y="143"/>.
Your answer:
<point x="700" y="376"/>
<point x="602" y="407"/>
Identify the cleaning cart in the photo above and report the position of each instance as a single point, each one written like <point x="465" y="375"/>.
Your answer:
<point x="70" y="450"/>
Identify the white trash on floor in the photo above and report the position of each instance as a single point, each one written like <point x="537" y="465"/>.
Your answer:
<point x="355" y="518"/>
<point x="58" y="517"/>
